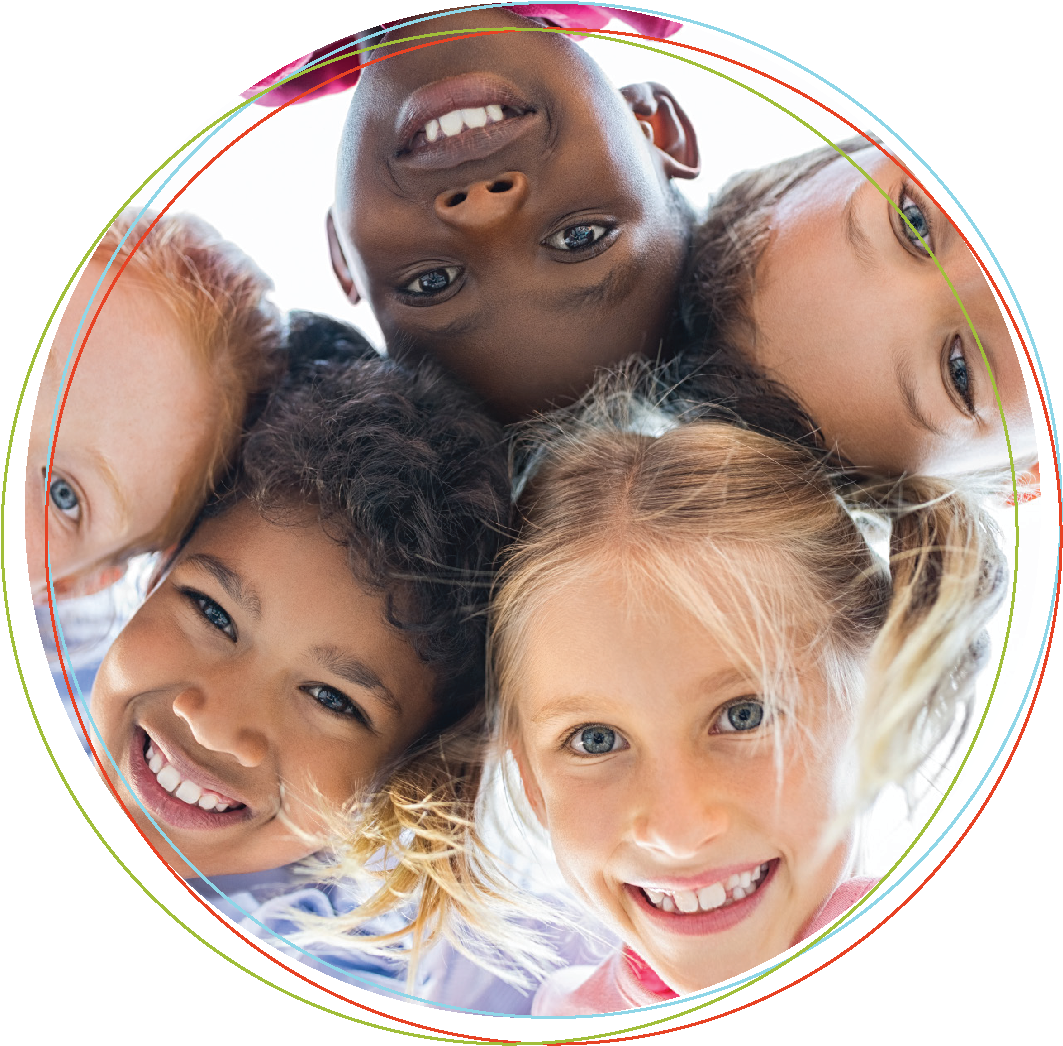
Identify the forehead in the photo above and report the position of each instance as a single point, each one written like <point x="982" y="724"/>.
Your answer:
<point x="298" y="583"/>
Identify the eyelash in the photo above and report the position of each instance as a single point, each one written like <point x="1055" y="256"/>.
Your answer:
<point x="204" y="606"/>
<point x="575" y="736"/>
<point x="347" y="710"/>
<point x="909" y="241"/>
<point x="454" y="272"/>
<point x="723" y="714"/>
<point x="56" y="480"/>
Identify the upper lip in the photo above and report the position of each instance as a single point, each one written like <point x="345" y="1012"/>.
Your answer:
<point x="192" y="771"/>
<point x="468" y="91"/>
<point x="674" y="883"/>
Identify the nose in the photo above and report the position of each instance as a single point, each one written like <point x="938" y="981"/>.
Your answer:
<point x="233" y="725"/>
<point x="483" y="206"/>
<point x="679" y="811"/>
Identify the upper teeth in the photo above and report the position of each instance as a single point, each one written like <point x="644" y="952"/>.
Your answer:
<point x="181" y="787"/>
<point x="715" y="895"/>
<point x="457" y="120"/>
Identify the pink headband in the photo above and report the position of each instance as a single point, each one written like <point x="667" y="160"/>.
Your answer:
<point x="347" y="69"/>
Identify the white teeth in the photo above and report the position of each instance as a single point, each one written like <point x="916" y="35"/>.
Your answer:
<point x="207" y="801"/>
<point x="495" y="114"/>
<point x="149" y="752"/>
<point x="711" y="896"/>
<point x="451" y="123"/>
<point x="432" y="130"/>
<point x="708" y="898"/>
<point x="221" y="807"/>
<point x="189" y="792"/>
<point x="155" y="762"/>
<point x="168" y="777"/>
<point x="474" y="117"/>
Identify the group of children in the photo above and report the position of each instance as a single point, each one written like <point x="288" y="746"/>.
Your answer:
<point x="731" y="582"/>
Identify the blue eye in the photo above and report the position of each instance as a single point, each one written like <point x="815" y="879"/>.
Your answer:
<point x="914" y="213"/>
<point x="596" y="740"/>
<point x="959" y="373"/>
<point x="338" y="702"/>
<point x="435" y="281"/>
<point x="577" y="237"/>
<point x="741" y="717"/>
<point x="64" y="497"/>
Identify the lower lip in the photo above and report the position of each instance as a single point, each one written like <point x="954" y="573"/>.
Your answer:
<point x="167" y="809"/>
<point x="698" y="924"/>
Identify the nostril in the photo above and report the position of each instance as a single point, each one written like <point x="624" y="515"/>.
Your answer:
<point x="458" y="197"/>
<point x="502" y="185"/>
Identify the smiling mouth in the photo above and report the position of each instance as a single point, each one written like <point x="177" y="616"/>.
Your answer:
<point x="459" y="119"/>
<point x="188" y="791"/>
<point x="711" y="897"/>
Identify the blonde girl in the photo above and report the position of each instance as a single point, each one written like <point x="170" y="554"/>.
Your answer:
<point x="703" y="669"/>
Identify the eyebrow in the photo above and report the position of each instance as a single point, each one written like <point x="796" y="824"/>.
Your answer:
<point x="356" y="672"/>
<point x="229" y="579"/>
<point x="857" y="238"/>
<point x="110" y="478"/>
<point x="906" y="383"/>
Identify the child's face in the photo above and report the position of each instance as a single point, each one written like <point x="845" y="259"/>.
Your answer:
<point x="854" y="317"/>
<point x="133" y="427"/>
<point x="524" y="254"/>
<point x="685" y="793"/>
<point x="260" y="671"/>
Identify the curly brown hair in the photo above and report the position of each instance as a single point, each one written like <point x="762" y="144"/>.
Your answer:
<point x="405" y="472"/>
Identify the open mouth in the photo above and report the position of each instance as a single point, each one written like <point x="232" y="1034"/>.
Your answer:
<point x="708" y="898"/>
<point x="184" y="788"/>
<point x="175" y="794"/>
<point x="460" y="119"/>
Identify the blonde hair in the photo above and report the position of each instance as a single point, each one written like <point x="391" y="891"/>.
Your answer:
<point x="663" y="507"/>
<point x="219" y="299"/>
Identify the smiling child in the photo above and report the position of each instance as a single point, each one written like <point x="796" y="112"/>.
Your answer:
<point x="184" y="341"/>
<point x="823" y="272"/>
<point x="703" y="670"/>
<point x="322" y="623"/>
<point x="507" y="211"/>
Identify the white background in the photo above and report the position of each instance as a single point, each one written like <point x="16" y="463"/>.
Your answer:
<point x="97" y="96"/>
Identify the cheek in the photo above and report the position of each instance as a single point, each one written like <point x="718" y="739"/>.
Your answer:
<point x="585" y="823"/>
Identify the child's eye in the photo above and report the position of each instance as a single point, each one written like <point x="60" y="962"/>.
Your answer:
<point x="919" y="227"/>
<point x="338" y="702"/>
<point x="211" y="612"/>
<point x="65" y="498"/>
<point x="434" y="281"/>
<point x="577" y="238"/>
<point x="740" y="716"/>
<point x="596" y="740"/>
<point x="959" y="374"/>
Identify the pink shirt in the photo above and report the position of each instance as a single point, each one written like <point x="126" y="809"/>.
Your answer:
<point x="564" y="16"/>
<point x="625" y="982"/>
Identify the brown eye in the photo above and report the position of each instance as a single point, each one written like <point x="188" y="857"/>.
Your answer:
<point x="434" y="281"/>
<point x="577" y="237"/>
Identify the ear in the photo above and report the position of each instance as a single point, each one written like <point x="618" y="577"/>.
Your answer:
<point x="532" y="792"/>
<point x="89" y="583"/>
<point x="667" y="126"/>
<point x="339" y="262"/>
